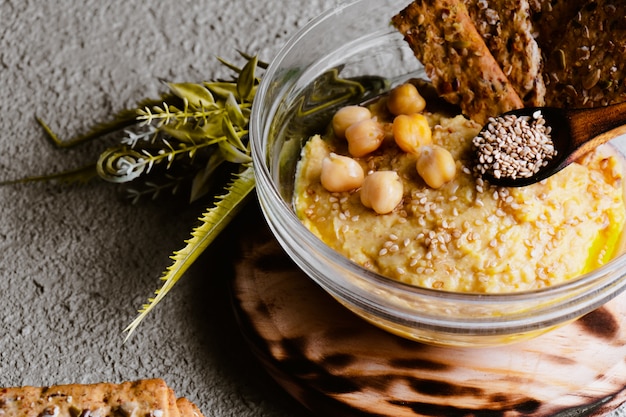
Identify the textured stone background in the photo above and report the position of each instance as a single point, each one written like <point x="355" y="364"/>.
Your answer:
<point x="75" y="261"/>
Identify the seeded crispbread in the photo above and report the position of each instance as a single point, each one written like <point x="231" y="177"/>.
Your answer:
<point x="456" y="59"/>
<point x="587" y="67"/>
<point x="149" y="397"/>
<point x="550" y="18"/>
<point x="507" y="30"/>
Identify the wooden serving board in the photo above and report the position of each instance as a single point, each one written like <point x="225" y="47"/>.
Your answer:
<point x="338" y="365"/>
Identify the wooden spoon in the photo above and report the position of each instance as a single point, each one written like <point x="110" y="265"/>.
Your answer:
<point x="575" y="132"/>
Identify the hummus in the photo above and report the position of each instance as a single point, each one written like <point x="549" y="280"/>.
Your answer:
<point x="468" y="236"/>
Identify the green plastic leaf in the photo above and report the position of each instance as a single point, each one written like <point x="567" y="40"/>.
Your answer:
<point x="213" y="221"/>
<point x="260" y="64"/>
<point x="221" y="89"/>
<point x="233" y="67"/>
<point x="196" y="94"/>
<point x="247" y="80"/>
<point x="232" y="135"/>
<point x="189" y="133"/>
<point x="234" y="112"/>
<point x="232" y="154"/>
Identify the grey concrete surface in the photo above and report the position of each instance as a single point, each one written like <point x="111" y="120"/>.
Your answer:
<point x="76" y="262"/>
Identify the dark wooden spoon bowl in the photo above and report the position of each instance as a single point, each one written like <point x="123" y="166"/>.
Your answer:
<point x="575" y="132"/>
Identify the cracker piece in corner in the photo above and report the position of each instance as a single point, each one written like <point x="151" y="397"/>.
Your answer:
<point x="456" y="59"/>
<point x="507" y="29"/>
<point x="187" y="408"/>
<point x="148" y="397"/>
<point x="587" y="67"/>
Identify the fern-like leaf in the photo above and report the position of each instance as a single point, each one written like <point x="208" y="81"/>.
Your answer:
<point x="213" y="221"/>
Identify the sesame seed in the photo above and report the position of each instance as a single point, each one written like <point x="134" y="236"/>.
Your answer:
<point x="514" y="147"/>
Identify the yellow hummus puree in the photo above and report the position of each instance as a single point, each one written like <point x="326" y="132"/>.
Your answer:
<point x="468" y="236"/>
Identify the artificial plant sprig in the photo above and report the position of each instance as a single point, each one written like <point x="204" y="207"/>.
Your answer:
<point x="196" y="135"/>
<point x="213" y="122"/>
<point x="184" y="136"/>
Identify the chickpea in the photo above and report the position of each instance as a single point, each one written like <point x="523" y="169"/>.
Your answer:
<point x="364" y="137"/>
<point x="348" y="115"/>
<point x="411" y="131"/>
<point x="341" y="173"/>
<point x="405" y="99"/>
<point x="435" y="165"/>
<point x="382" y="191"/>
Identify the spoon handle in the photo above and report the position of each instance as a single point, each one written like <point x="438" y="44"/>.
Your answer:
<point x="592" y="127"/>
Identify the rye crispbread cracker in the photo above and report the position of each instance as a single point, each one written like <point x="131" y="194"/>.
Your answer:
<point x="587" y="67"/>
<point x="507" y="30"/>
<point x="150" y="398"/>
<point x="456" y="59"/>
<point x="550" y="18"/>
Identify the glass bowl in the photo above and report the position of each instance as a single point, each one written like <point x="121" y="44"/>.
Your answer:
<point x="305" y="83"/>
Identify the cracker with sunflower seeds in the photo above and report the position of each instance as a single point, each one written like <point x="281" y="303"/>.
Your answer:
<point x="587" y="67"/>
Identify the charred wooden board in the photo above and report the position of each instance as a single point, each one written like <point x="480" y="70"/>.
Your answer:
<point x="338" y="365"/>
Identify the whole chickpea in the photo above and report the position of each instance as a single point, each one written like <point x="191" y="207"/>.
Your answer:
<point x="405" y="99"/>
<point x="435" y="165"/>
<point x="341" y="173"/>
<point x="382" y="191"/>
<point x="411" y="131"/>
<point x="364" y="137"/>
<point x="348" y="115"/>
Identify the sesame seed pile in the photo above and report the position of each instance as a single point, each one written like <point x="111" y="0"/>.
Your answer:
<point x="514" y="146"/>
